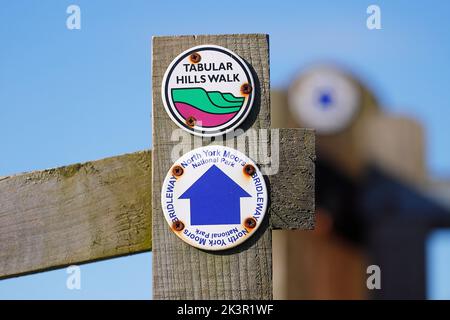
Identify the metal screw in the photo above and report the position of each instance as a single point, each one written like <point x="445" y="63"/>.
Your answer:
<point x="246" y="88"/>
<point x="195" y="57"/>
<point x="178" y="225"/>
<point x="177" y="171"/>
<point x="250" y="223"/>
<point x="191" y="121"/>
<point x="249" y="169"/>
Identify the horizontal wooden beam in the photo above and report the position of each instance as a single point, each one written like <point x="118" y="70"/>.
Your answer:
<point x="102" y="209"/>
<point x="292" y="197"/>
<point x="75" y="214"/>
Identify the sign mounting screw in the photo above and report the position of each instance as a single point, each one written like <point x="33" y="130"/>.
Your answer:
<point x="195" y="57"/>
<point x="250" y="223"/>
<point x="178" y="225"/>
<point x="249" y="169"/>
<point x="246" y="88"/>
<point x="191" y="121"/>
<point x="177" y="171"/>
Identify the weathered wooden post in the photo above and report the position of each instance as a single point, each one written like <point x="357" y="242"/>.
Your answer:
<point x="243" y="272"/>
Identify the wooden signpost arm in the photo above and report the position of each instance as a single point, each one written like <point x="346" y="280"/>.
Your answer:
<point x="102" y="209"/>
<point x="75" y="214"/>
<point x="293" y="187"/>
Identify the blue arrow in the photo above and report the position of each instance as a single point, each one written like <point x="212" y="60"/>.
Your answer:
<point x="215" y="199"/>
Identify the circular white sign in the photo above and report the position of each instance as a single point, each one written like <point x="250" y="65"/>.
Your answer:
<point x="324" y="99"/>
<point x="208" y="90"/>
<point x="214" y="198"/>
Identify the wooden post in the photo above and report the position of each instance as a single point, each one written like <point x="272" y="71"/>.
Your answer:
<point x="373" y="138"/>
<point x="245" y="272"/>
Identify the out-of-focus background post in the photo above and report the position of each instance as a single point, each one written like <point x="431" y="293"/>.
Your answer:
<point x="376" y="204"/>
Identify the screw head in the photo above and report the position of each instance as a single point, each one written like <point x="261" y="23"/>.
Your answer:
<point x="249" y="169"/>
<point x="178" y="225"/>
<point x="191" y="121"/>
<point x="177" y="171"/>
<point x="246" y="88"/>
<point x="250" y="223"/>
<point x="195" y="57"/>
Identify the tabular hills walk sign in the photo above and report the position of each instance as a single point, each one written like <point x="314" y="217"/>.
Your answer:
<point x="208" y="90"/>
<point x="214" y="198"/>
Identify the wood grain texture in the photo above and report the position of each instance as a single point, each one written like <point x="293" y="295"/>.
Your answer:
<point x="179" y="270"/>
<point x="75" y="214"/>
<point x="292" y="192"/>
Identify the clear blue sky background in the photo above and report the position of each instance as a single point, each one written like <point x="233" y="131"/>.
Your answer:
<point x="438" y="261"/>
<point x="70" y="96"/>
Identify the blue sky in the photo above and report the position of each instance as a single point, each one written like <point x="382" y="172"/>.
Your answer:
<point x="70" y="96"/>
<point x="438" y="260"/>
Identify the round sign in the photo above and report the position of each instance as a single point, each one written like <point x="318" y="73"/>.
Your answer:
<point x="208" y="90"/>
<point x="324" y="99"/>
<point x="214" y="198"/>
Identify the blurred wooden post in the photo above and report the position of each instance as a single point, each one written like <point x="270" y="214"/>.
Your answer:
<point x="396" y="145"/>
<point x="319" y="264"/>
<point x="305" y="261"/>
<point x="313" y="265"/>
